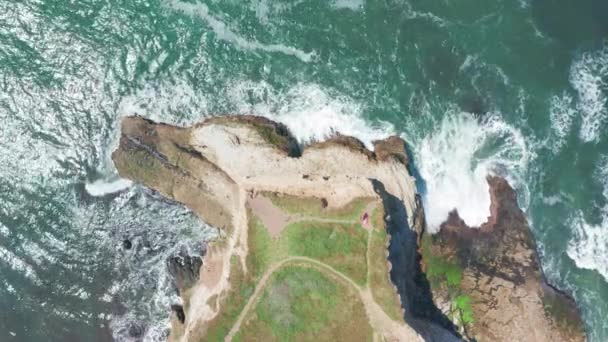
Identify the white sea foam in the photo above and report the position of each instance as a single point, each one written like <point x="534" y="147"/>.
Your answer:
<point x="588" y="75"/>
<point x="551" y="200"/>
<point x="561" y="113"/>
<point x="455" y="159"/>
<point x="103" y="187"/>
<point x="4" y="231"/>
<point x="144" y="218"/>
<point x="19" y="265"/>
<point x="310" y="111"/>
<point x="176" y="100"/>
<point x="224" y="32"/>
<point x="349" y="4"/>
<point x="589" y="246"/>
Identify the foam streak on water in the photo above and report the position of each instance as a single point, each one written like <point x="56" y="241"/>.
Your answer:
<point x="562" y="114"/>
<point x="224" y="32"/>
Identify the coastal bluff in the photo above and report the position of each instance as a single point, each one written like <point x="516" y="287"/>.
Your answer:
<point x="321" y="242"/>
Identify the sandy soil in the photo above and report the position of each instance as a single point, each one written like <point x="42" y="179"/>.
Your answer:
<point x="273" y="218"/>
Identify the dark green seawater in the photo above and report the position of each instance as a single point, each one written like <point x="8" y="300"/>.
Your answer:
<point x="515" y="88"/>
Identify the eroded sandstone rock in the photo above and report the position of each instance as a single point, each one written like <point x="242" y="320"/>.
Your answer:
<point x="488" y="280"/>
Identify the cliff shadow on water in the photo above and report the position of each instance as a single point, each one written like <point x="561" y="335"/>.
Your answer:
<point x="406" y="273"/>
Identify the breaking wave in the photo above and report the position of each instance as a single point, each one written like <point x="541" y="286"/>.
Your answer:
<point x="103" y="187"/>
<point x="456" y="158"/>
<point x="562" y="114"/>
<point x="310" y="111"/>
<point x="349" y="4"/>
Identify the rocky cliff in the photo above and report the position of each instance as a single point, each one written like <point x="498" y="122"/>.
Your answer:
<point x="488" y="279"/>
<point x="352" y="216"/>
<point x="218" y="167"/>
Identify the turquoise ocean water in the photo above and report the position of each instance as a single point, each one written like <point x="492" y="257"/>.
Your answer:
<point x="517" y="88"/>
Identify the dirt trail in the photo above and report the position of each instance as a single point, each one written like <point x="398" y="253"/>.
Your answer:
<point x="378" y="319"/>
<point x="275" y="219"/>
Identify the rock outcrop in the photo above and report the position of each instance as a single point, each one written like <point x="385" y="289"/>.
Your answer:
<point x="481" y="284"/>
<point x="184" y="269"/>
<point x="216" y="165"/>
<point x="488" y="279"/>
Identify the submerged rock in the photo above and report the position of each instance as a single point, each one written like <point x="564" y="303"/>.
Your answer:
<point x="488" y="279"/>
<point x="127" y="244"/>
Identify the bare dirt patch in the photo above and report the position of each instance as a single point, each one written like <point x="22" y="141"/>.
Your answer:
<point x="273" y="218"/>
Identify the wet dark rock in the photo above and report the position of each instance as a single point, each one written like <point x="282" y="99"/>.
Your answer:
<point x="473" y="104"/>
<point x="184" y="269"/>
<point x="392" y="147"/>
<point x="126" y="244"/>
<point x="136" y="330"/>
<point x="179" y="312"/>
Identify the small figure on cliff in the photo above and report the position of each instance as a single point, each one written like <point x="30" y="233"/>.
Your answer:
<point x="365" y="219"/>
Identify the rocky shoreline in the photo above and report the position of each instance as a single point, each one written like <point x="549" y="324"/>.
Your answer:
<point x="481" y="284"/>
<point x="488" y="279"/>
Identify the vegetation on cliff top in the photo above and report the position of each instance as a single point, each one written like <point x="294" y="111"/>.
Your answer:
<point x="383" y="290"/>
<point x="317" y="207"/>
<point x="303" y="303"/>
<point x="341" y="246"/>
<point x="302" y="298"/>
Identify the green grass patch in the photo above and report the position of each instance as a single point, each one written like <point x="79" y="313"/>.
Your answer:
<point x="441" y="273"/>
<point x="439" y="269"/>
<point x="262" y="252"/>
<point x="313" y="207"/>
<point x="382" y="288"/>
<point x="306" y="304"/>
<point x="342" y="246"/>
<point x="462" y="304"/>
<point x="263" y="249"/>
<point x="377" y="218"/>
